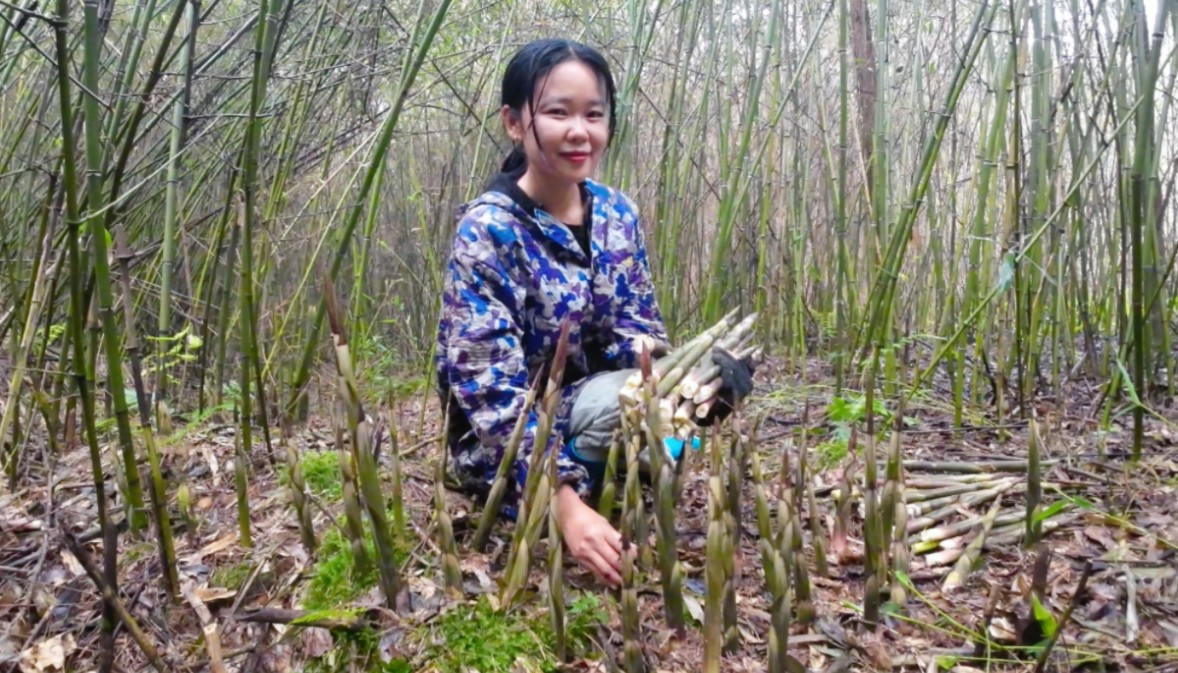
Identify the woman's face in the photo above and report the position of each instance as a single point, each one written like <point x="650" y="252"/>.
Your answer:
<point x="566" y="132"/>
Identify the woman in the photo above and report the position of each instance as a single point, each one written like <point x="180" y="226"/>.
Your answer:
<point x="544" y="243"/>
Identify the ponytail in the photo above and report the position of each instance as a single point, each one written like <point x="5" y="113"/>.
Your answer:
<point x="516" y="160"/>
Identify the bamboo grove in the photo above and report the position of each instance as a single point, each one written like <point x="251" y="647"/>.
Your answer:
<point x="964" y="200"/>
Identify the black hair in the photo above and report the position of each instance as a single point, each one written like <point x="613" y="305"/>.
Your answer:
<point x="531" y="64"/>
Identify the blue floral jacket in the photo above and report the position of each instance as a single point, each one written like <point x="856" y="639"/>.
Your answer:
<point x="513" y="276"/>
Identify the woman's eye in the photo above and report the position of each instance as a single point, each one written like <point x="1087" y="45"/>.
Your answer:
<point x="596" y="114"/>
<point x="557" y="112"/>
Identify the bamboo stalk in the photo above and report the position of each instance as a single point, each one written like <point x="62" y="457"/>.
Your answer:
<point x="631" y="630"/>
<point x="451" y="568"/>
<point x="534" y="500"/>
<point x="353" y="512"/>
<point x="1034" y="488"/>
<point x="366" y="438"/>
<point x="664" y="511"/>
<point x="501" y="482"/>
<point x="555" y="570"/>
<point x="298" y="496"/>
<point x="242" y="490"/>
<point x="104" y="296"/>
<point x="609" y="487"/>
<point x="715" y="572"/>
<point x="82" y="375"/>
<point x="110" y="598"/>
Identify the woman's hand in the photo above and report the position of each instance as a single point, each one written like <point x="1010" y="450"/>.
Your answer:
<point x="590" y="538"/>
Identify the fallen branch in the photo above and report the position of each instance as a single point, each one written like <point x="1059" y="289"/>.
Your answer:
<point x="115" y="604"/>
<point x="210" y="628"/>
<point x="972" y="468"/>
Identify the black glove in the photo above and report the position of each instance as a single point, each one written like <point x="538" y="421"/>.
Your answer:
<point x="737" y="377"/>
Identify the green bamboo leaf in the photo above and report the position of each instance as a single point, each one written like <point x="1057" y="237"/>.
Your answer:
<point x="1055" y="508"/>
<point x="1044" y="617"/>
<point x="1127" y="381"/>
<point x="1006" y="273"/>
<point x="902" y="578"/>
<point x="1080" y="501"/>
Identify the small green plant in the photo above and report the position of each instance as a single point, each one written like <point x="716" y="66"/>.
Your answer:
<point x="830" y="453"/>
<point x="174" y="350"/>
<point x="844" y="412"/>
<point x="378" y="376"/>
<point x="195" y="421"/>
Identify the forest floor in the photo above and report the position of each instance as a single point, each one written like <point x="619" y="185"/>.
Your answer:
<point x="1115" y="520"/>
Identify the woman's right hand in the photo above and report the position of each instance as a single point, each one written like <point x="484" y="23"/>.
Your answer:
<point x="590" y="538"/>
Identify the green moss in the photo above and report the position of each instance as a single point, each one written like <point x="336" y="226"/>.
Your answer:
<point x="472" y="635"/>
<point x="231" y="576"/>
<point x="321" y="474"/>
<point x="336" y="581"/>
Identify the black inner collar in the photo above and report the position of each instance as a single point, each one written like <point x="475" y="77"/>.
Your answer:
<point x="508" y="183"/>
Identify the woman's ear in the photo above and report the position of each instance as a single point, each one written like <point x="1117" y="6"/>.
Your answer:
<point x="512" y="124"/>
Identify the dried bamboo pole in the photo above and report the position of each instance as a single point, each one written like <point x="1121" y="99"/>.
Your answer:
<point x="961" y="570"/>
<point x="928" y="516"/>
<point x="982" y="467"/>
<point x="953" y="549"/>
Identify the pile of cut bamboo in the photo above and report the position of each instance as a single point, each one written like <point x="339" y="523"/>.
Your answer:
<point x="686" y="381"/>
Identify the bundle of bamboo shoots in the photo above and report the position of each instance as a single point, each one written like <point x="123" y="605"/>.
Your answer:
<point x="686" y="380"/>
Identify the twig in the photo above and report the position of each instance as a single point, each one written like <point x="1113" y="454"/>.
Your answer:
<point x="210" y="628"/>
<point x="304" y="618"/>
<point x="1067" y="615"/>
<point x="113" y="601"/>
